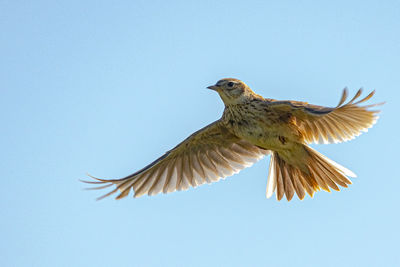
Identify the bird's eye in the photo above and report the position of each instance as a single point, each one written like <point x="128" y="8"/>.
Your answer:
<point x="230" y="84"/>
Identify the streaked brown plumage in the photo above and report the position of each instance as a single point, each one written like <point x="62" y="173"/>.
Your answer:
<point x="250" y="128"/>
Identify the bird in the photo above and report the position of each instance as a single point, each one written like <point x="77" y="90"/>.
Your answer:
<point x="250" y="128"/>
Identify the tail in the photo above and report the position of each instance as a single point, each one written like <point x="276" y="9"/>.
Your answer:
<point x="319" y="173"/>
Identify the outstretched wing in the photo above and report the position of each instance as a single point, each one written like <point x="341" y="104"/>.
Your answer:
<point x="330" y="125"/>
<point x="206" y="156"/>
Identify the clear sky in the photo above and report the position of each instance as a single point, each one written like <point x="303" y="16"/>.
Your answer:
<point x="105" y="87"/>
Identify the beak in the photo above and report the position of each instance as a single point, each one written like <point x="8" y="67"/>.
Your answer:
<point x="213" y="87"/>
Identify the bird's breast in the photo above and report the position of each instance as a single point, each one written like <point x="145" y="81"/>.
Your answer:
<point x="260" y="126"/>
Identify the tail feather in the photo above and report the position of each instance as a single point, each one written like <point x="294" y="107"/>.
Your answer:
<point x="320" y="173"/>
<point x="298" y="185"/>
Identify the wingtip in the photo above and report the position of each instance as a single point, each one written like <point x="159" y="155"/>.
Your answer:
<point x="106" y="195"/>
<point x="93" y="177"/>
<point x="344" y="96"/>
<point x="353" y="175"/>
<point x="99" y="198"/>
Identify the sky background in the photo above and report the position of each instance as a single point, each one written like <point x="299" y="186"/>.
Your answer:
<point x="105" y="87"/>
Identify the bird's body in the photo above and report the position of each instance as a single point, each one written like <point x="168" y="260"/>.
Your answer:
<point x="257" y="123"/>
<point x="251" y="127"/>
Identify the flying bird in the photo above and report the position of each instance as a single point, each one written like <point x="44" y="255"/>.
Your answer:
<point x="250" y="128"/>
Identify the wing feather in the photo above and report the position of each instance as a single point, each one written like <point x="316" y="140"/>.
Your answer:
<point x="206" y="156"/>
<point x="331" y="125"/>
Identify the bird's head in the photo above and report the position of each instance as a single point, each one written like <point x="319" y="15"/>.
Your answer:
<point x="232" y="91"/>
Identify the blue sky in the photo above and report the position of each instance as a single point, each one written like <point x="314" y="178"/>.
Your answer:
<point x="106" y="87"/>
